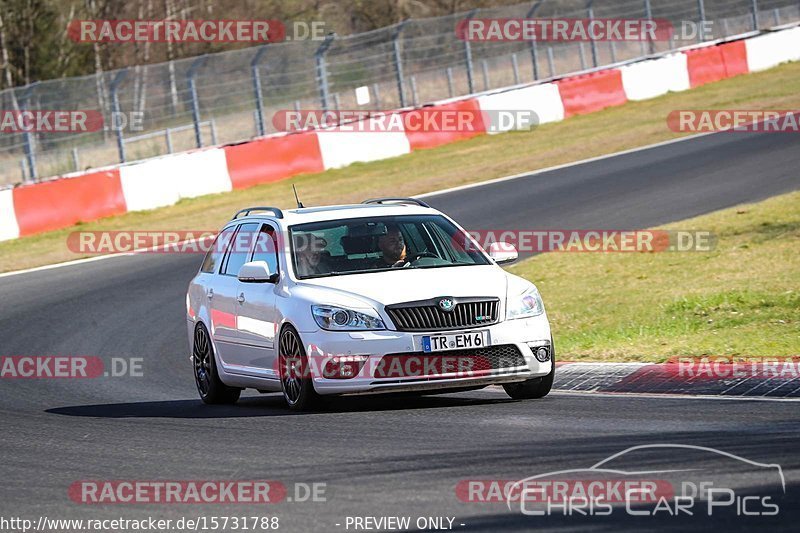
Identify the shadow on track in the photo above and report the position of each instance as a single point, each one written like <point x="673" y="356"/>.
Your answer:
<point x="268" y="405"/>
<point x="177" y="409"/>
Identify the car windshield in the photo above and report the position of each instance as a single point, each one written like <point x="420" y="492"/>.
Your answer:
<point x="359" y="245"/>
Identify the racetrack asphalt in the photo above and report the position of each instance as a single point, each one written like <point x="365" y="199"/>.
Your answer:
<point x="384" y="456"/>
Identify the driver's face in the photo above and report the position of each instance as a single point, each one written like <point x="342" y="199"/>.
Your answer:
<point x="392" y="245"/>
<point x="311" y="251"/>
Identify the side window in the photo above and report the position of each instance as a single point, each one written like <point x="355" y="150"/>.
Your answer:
<point x="214" y="256"/>
<point x="267" y="247"/>
<point x="239" y="250"/>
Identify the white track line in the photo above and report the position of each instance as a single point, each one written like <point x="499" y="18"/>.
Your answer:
<point x="152" y="249"/>
<point x="425" y="195"/>
<point x="65" y="264"/>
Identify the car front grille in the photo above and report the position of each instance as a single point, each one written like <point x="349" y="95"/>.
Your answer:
<point x="463" y="363"/>
<point x="426" y="315"/>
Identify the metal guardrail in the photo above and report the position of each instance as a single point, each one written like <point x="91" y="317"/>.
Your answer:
<point x="168" y="132"/>
<point x="415" y="61"/>
<point x="123" y="141"/>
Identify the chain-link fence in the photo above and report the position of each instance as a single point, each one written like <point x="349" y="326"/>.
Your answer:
<point x="232" y="96"/>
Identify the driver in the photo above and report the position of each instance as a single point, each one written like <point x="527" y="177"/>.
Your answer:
<point x="310" y="256"/>
<point x="393" y="247"/>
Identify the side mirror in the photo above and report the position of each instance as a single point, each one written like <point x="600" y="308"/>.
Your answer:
<point x="502" y="252"/>
<point x="256" y="272"/>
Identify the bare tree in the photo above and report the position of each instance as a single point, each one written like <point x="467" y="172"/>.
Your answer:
<point x="8" y="76"/>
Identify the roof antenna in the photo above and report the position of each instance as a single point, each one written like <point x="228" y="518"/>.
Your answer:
<point x="299" y="203"/>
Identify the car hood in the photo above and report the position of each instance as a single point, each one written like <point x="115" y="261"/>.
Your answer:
<point x="408" y="285"/>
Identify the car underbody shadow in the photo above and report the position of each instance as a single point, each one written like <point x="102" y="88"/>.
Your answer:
<point x="405" y="401"/>
<point x="246" y="407"/>
<point x="273" y="405"/>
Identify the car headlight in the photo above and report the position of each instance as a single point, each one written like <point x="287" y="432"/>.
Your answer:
<point x="340" y="319"/>
<point x="524" y="305"/>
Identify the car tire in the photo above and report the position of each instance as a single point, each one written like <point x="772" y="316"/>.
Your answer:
<point x="211" y="389"/>
<point x="296" y="383"/>
<point x="536" y="387"/>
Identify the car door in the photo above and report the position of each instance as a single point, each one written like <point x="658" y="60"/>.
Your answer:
<point x="224" y="298"/>
<point x="256" y="314"/>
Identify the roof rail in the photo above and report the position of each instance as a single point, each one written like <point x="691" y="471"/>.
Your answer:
<point x="246" y="211"/>
<point x="396" y="201"/>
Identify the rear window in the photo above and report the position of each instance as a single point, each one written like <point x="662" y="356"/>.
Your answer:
<point x="214" y="256"/>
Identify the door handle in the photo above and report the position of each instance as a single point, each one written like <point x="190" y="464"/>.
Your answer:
<point x="240" y="298"/>
<point x="210" y="293"/>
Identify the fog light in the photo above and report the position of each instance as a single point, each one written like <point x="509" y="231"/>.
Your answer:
<point x="344" y="367"/>
<point x="542" y="354"/>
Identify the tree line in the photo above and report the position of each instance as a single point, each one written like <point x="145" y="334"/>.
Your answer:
<point x="35" y="44"/>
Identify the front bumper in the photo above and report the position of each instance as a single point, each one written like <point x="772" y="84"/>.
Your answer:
<point x="525" y="334"/>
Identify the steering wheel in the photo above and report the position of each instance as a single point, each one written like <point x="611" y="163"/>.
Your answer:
<point x="422" y="254"/>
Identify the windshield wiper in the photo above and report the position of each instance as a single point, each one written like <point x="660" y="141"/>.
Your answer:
<point x="346" y="272"/>
<point x="444" y="266"/>
<point x="387" y="269"/>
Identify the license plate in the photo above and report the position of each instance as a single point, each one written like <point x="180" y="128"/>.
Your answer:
<point x="455" y="341"/>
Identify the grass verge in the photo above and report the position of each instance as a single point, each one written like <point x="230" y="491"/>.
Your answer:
<point x="479" y="159"/>
<point x="742" y="299"/>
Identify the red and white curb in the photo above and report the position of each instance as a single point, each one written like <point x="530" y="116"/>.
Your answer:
<point x="724" y="380"/>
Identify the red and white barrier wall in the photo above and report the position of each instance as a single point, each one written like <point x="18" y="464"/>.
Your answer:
<point x="163" y="181"/>
<point x="9" y="229"/>
<point x="273" y="158"/>
<point x="772" y="49"/>
<point x="544" y="100"/>
<point x="342" y="148"/>
<point x="655" y="77"/>
<point x="714" y="63"/>
<point x="61" y="203"/>
<point x="421" y="140"/>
